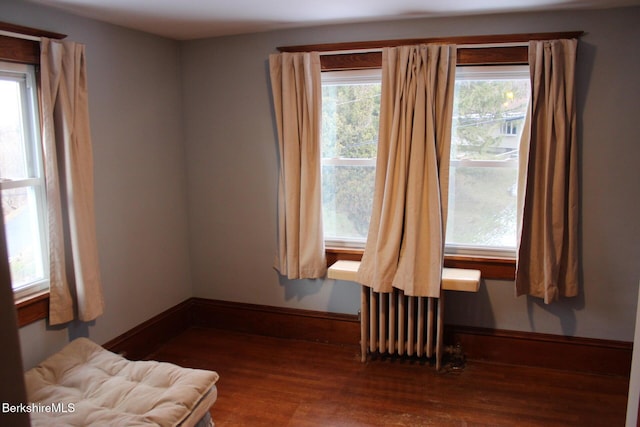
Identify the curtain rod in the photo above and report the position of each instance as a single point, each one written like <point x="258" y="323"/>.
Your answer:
<point x="459" y="46"/>
<point x="27" y="33"/>
<point x="459" y="40"/>
<point x="19" y="36"/>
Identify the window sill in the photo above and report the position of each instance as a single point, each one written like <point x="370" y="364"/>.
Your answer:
<point x="490" y="268"/>
<point x="32" y="308"/>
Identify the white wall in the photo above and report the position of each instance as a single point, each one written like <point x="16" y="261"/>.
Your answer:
<point x="232" y="173"/>
<point x="136" y="123"/>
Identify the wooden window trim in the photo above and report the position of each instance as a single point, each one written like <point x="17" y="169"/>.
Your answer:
<point x="502" y="49"/>
<point x="19" y="50"/>
<point x="503" y="39"/>
<point x="26" y="51"/>
<point x="496" y="55"/>
<point x="509" y="49"/>
<point x="29" y="31"/>
<point x="23" y="50"/>
<point x="32" y="308"/>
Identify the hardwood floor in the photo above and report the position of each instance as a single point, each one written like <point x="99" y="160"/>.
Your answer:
<point x="268" y="381"/>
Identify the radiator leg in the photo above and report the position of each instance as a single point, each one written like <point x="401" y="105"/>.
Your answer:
<point x="364" y="322"/>
<point x="440" y="330"/>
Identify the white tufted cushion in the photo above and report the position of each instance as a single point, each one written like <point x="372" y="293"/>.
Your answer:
<point x="107" y="389"/>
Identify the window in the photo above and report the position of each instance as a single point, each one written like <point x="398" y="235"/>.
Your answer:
<point x="510" y="126"/>
<point x="21" y="179"/>
<point x="350" y="114"/>
<point x="489" y="109"/>
<point x="490" y="105"/>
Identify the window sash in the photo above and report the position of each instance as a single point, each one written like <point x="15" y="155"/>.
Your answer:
<point x="33" y="181"/>
<point x="37" y="187"/>
<point x="348" y="78"/>
<point x="473" y="247"/>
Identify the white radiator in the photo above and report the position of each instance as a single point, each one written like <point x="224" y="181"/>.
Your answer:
<point x="396" y="324"/>
<point x="392" y="323"/>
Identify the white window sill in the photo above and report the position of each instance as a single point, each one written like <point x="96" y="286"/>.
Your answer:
<point x="453" y="279"/>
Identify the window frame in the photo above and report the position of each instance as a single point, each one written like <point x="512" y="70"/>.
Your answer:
<point x="495" y="263"/>
<point x="21" y="45"/>
<point x="509" y="49"/>
<point x="35" y="166"/>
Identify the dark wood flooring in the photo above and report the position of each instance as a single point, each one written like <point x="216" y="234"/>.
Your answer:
<point x="268" y="381"/>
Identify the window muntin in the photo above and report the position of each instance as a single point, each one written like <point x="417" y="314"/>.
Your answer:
<point x="350" y="116"/>
<point x="490" y="105"/>
<point x="21" y="179"/>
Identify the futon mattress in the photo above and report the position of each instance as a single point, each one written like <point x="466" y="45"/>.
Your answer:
<point x="86" y="385"/>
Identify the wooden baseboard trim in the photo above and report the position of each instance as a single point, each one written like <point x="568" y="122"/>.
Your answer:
<point x="482" y="344"/>
<point x="542" y="350"/>
<point x="142" y="340"/>
<point x="277" y="322"/>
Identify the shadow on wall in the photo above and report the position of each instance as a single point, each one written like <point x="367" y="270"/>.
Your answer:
<point x="299" y="289"/>
<point x="477" y="309"/>
<point x="564" y="309"/>
<point x="469" y="308"/>
<point x="328" y="295"/>
<point x="75" y="329"/>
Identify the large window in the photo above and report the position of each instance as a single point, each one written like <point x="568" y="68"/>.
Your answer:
<point x="489" y="109"/>
<point x="21" y="179"/>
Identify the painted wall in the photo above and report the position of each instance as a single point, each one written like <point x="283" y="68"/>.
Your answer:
<point x="136" y="113"/>
<point x="232" y="173"/>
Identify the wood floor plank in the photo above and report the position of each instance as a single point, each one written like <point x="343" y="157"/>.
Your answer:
<point x="273" y="381"/>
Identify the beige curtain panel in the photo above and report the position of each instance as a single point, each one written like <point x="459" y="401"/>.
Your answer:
<point x="297" y="98"/>
<point x="547" y="264"/>
<point x="69" y="181"/>
<point x="405" y="244"/>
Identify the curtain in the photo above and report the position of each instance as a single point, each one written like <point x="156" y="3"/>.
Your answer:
<point x="297" y="98"/>
<point x="69" y="181"/>
<point x="547" y="265"/>
<point x="405" y="244"/>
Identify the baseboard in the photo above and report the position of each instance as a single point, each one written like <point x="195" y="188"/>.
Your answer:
<point x="542" y="350"/>
<point x="145" y="338"/>
<point x="497" y="346"/>
<point x="278" y="322"/>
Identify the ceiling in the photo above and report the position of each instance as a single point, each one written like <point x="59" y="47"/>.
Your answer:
<point x="192" y="19"/>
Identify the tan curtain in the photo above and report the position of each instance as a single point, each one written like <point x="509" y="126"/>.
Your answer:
<point x="547" y="264"/>
<point x="405" y="244"/>
<point x="69" y="181"/>
<point x="297" y="98"/>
